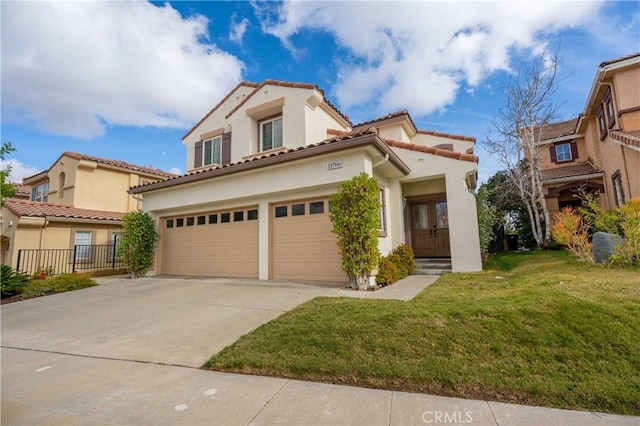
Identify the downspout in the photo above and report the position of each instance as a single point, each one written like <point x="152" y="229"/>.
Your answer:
<point x="385" y="159"/>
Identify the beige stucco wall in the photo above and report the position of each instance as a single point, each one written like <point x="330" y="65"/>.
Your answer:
<point x="463" y="218"/>
<point x="626" y="83"/>
<point x="305" y="121"/>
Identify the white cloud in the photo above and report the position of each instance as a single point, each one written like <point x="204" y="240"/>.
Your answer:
<point x="19" y="170"/>
<point x="417" y="55"/>
<point x="74" y="68"/>
<point x="176" y="171"/>
<point x="237" y="29"/>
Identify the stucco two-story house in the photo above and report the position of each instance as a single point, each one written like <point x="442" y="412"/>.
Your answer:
<point x="80" y="199"/>
<point x="262" y="165"/>
<point x="598" y="151"/>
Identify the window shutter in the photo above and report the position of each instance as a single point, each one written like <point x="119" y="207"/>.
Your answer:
<point x="198" y="155"/>
<point x="226" y="148"/>
<point x="574" y="151"/>
<point x="552" y="154"/>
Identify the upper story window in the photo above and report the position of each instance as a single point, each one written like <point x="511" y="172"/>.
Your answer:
<point x="212" y="151"/>
<point x="271" y="133"/>
<point x="563" y="152"/>
<point x="40" y="192"/>
<point x="608" y="105"/>
<point x="602" y="125"/>
<point x="61" y="179"/>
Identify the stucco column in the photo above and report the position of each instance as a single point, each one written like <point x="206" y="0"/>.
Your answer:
<point x="463" y="226"/>
<point x="264" y="217"/>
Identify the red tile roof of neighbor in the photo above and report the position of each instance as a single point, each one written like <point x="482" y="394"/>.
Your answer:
<point x="37" y="209"/>
<point x="631" y="138"/>
<point x="107" y="161"/>
<point x="22" y="189"/>
<point x="559" y="129"/>
<point x="577" y="170"/>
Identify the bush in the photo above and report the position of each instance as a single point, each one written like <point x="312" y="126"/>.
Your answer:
<point x="404" y="259"/>
<point x="388" y="272"/>
<point x="629" y="214"/>
<point x="399" y="264"/>
<point x="571" y="231"/>
<point x="58" y="284"/>
<point x="12" y="281"/>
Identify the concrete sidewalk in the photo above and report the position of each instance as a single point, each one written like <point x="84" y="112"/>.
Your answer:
<point x="58" y="389"/>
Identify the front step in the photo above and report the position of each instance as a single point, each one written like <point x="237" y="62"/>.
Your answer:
<point x="432" y="266"/>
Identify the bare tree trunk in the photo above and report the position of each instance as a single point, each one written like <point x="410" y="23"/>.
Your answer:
<point x="529" y="107"/>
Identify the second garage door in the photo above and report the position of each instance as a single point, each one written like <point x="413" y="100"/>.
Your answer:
<point x="303" y="246"/>
<point x="211" y="244"/>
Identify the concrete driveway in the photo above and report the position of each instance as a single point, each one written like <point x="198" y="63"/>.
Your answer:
<point x="158" y="320"/>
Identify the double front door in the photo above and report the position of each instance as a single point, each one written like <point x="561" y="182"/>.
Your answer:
<point x="430" y="228"/>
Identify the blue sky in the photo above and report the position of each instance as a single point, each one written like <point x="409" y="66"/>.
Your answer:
<point x="126" y="80"/>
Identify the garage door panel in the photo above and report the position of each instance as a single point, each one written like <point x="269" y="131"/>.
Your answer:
<point x="213" y="250"/>
<point x="303" y="246"/>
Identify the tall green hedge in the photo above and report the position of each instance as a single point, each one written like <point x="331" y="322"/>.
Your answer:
<point x="138" y="242"/>
<point x="354" y="214"/>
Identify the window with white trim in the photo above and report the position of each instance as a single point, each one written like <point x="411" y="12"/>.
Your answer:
<point x="212" y="151"/>
<point x="563" y="152"/>
<point x="83" y="245"/>
<point x="40" y="192"/>
<point x="271" y="134"/>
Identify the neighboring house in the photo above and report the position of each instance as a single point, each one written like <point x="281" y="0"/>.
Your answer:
<point x="599" y="151"/>
<point x="23" y="192"/>
<point x="80" y="199"/>
<point x="262" y="165"/>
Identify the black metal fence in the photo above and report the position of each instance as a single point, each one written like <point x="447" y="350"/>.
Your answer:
<point x="64" y="261"/>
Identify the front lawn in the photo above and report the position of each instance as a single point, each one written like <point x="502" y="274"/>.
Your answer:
<point x="535" y="328"/>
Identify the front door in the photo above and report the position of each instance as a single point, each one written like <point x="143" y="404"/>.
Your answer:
<point x="430" y="228"/>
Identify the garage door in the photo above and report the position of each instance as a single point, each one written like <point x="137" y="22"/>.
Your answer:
<point x="303" y="246"/>
<point x="211" y="244"/>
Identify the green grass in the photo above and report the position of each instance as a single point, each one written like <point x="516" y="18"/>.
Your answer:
<point x="535" y="328"/>
<point x="57" y="284"/>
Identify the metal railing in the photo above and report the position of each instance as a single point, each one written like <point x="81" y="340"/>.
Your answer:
<point x="65" y="261"/>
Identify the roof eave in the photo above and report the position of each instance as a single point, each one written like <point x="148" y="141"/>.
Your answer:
<point x="306" y="152"/>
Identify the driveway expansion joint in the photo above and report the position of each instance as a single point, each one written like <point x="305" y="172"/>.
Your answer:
<point x="100" y="357"/>
<point x="269" y="401"/>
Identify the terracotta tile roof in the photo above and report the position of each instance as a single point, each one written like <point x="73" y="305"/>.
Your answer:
<point x="21" y="189"/>
<point x="627" y="138"/>
<point x="117" y="163"/>
<point x="443" y="150"/>
<point x="568" y="171"/>
<point x="242" y="83"/>
<point x="36" y="209"/>
<point x="360" y="137"/>
<point x="107" y="161"/>
<point x="288" y="84"/>
<point x="431" y="150"/>
<point x="623" y="58"/>
<point x="448" y="135"/>
<point x="556" y="130"/>
<point x="389" y="116"/>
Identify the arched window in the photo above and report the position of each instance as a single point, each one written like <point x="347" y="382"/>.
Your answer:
<point x="61" y="185"/>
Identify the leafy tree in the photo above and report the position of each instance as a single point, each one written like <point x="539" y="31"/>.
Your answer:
<point x="517" y="130"/>
<point x="488" y="217"/>
<point x="354" y="213"/>
<point x="502" y="194"/>
<point x="7" y="190"/>
<point x="138" y="242"/>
